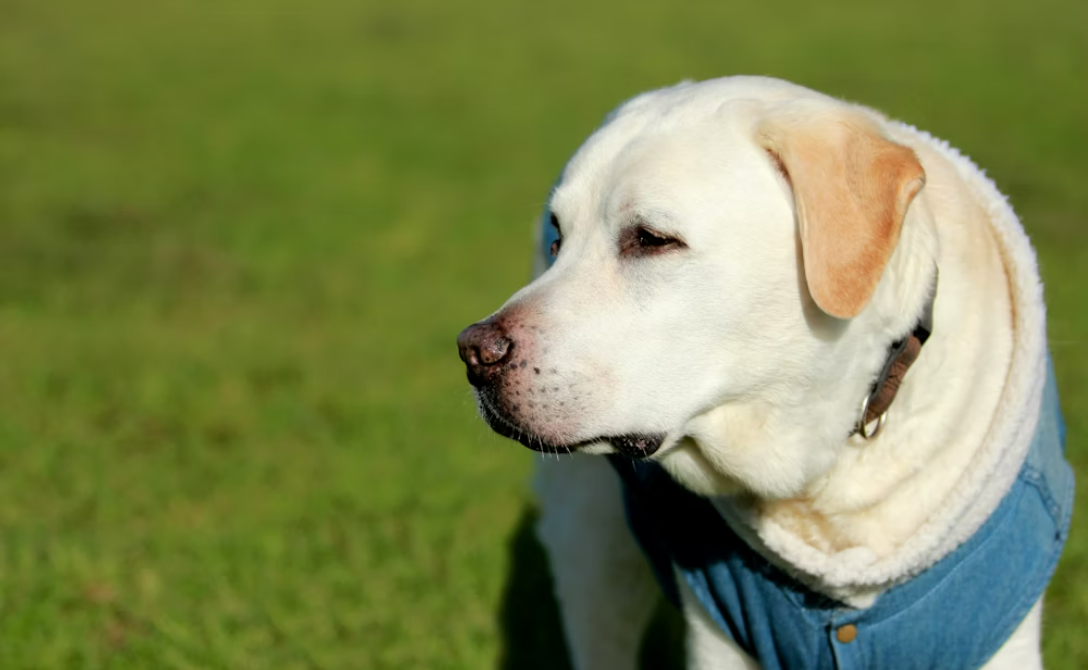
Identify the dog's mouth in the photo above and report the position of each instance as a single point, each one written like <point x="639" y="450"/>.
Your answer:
<point x="632" y="445"/>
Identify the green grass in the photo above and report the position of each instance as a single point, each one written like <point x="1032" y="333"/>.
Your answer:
<point x="237" y="239"/>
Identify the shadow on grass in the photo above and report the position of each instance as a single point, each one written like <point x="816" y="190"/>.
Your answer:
<point x="529" y="616"/>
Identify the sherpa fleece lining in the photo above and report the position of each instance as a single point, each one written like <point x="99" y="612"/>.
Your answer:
<point x="995" y="465"/>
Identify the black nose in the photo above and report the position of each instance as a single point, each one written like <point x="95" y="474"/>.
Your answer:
<point x="483" y="347"/>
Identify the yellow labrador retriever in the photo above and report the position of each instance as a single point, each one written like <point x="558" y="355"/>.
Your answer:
<point x="796" y="353"/>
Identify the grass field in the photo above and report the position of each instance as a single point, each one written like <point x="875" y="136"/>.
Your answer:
<point x="238" y="238"/>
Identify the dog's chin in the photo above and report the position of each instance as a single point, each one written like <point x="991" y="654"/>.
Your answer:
<point x="632" y="445"/>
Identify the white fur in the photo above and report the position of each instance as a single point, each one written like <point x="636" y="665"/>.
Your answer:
<point x="719" y="347"/>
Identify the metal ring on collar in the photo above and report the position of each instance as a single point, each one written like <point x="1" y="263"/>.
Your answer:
<point x="862" y="428"/>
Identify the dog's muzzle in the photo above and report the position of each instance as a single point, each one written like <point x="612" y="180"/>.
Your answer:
<point x="487" y="351"/>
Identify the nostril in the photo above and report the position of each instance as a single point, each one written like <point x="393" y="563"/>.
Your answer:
<point x="483" y="345"/>
<point x="494" y="350"/>
<point x="465" y="350"/>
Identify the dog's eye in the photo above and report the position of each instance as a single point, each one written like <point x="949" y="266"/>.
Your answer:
<point x="642" y="241"/>
<point x="554" y="249"/>
<point x="647" y="238"/>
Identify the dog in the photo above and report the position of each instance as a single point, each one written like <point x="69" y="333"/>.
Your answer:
<point x="791" y="359"/>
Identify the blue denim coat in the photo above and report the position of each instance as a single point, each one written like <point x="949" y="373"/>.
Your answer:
<point x="956" y="614"/>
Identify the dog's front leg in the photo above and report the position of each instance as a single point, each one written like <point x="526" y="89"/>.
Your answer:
<point x="1023" y="650"/>
<point x="708" y="648"/>
<point x="604" y="586"/>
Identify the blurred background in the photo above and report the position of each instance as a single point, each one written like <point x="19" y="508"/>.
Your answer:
<point x="239" y="237"/>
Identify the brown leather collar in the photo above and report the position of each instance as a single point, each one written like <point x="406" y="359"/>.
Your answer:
<point x="901" y="356"/>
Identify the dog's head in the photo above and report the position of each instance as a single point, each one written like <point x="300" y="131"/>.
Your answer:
<point x="715" y="253"/>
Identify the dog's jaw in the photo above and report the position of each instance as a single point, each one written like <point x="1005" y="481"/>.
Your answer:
<point x="635" y="445"/>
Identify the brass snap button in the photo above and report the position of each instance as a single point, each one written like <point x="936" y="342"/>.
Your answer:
<point x="846" y="634"/>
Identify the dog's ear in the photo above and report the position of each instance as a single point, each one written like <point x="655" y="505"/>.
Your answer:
<point x="851" y="189"/>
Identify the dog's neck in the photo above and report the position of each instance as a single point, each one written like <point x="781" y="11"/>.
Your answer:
<point x="879" y="492"/>
<point x="872" y="512"/>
